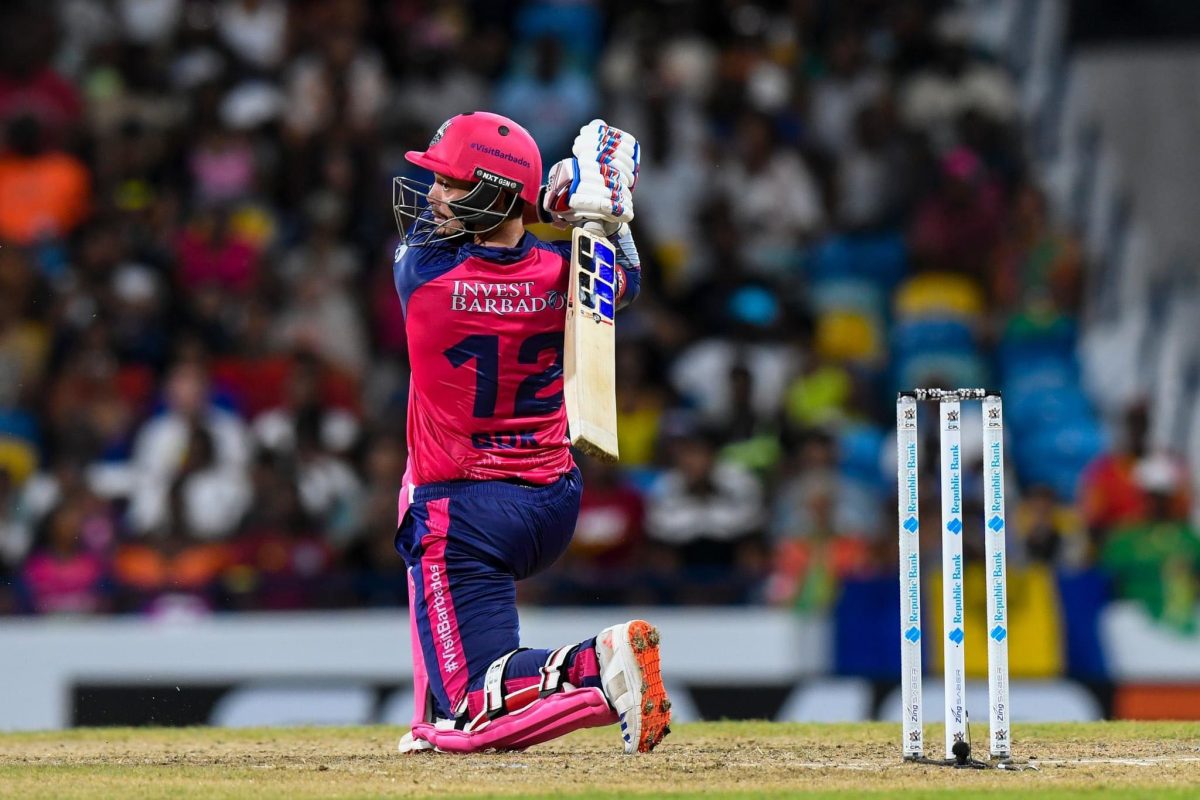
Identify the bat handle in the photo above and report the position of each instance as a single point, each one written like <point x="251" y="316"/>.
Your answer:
<point x="594" y="227"/>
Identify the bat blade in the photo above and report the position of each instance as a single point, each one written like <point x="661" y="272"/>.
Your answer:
<point x="589" y="374"/>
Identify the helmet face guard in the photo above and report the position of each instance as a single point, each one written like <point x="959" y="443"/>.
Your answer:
<point x="473" y="214"/>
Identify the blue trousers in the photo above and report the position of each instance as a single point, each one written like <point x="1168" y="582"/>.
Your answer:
<point x="466" y="544"/>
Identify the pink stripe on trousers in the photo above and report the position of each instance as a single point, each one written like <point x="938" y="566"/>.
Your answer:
<point x="439" y="604"/>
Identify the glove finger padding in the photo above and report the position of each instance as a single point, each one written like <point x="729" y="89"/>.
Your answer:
<point x="600" y="143"/>
<point x="601" y="194"/>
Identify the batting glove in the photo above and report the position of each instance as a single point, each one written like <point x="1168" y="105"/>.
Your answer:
<point x="578" y="193"/>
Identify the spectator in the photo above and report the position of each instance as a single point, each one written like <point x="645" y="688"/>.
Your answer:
<point x="775" y="201"/>
<point x="64" y="573"/>
<point x="378" y="576"/>
<point x="849" y="84"/>
<point x="1109" y="491"/>
<point x="818" y="397"/>
<point x="27" y="81"/>
<point x="932" y="99"/>
<point x="24" y="339"/>
<point x="957" y="227"/>
<point x="304" y="398"/>
<point x="670" y="187"/>
<point x="204" y="497"/>
<point x="223" y="170"/>
<point x="254" y="30"/>
<point x="551" y="101"/>
<point x="1039" y="268"/>
<point x="750" y="439"/>
<point x="816" y="500"/>
<point x="341" y="83"/>
<point x="642" y="398"/>
<point x="807" y="574"/>
<point x="282" y="559"/>
<point x="320" y="316"/>
<point x="192" y="439"/>
<point x="602" y="564"/>
<point x="44" y="194"/>
<point x="140" y="330"/>
<point x="441" y="85"/>
<point x="322" y="251"/>
<point x="873" y="180"/>
<point x="755" y="315"/>
<point x="16" y="528"/>
<point x="86" y="412"/>
<point x="172" y="572"/>
<point x="151" y="22"/>
<point x="707" y="515"/>
<point x="329" y="490"/>
<point x="1156" y="560"/>
<point x="210" y="253"/>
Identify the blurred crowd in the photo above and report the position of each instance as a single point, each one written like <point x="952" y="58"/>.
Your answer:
<point x="204" y="361"/>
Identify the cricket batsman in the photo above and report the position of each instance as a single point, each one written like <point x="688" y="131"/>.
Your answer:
<point x="491" y="492"/>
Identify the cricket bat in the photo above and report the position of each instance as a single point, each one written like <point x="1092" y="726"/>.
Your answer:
<point x="589" y="374"/>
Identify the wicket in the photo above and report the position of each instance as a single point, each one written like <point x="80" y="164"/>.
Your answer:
<point x="908" y="482"/>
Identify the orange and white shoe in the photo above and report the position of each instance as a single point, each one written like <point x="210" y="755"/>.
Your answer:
<point x="631" y="675"/>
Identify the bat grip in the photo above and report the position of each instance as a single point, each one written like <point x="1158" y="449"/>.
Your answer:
<point x="594" y="227"/>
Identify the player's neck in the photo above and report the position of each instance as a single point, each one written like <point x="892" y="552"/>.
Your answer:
<point x="507" y="234"/>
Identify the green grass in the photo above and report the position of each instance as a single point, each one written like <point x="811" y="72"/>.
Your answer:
<point x="710" y="760"/>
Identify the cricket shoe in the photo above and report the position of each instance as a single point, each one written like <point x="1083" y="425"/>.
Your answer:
<point x="410" y="745"/>
<point x="631" y="676"/>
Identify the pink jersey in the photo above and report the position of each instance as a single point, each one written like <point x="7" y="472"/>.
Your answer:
<point x="485" y="342"/>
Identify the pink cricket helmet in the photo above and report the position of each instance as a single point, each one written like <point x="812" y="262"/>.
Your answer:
<point x="481" y="146"/>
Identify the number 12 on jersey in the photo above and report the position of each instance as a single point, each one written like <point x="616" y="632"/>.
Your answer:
<point x="589" y="378"/>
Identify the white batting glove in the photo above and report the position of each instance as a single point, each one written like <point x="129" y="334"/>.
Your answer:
<point x="601" y="144"/>
<point x="578" y="193"/>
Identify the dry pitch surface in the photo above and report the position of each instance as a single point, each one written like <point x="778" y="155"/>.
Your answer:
<point x="725" y="759"/>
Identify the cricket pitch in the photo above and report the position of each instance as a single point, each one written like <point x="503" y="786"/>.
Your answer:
<point x="719" y="759"/>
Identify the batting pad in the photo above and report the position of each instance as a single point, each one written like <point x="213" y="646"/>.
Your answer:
<point x="544" y="719"/>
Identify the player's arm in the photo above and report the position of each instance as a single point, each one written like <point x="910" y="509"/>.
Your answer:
<point x="629" y="266"/>
<point x="594" y="188"/>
